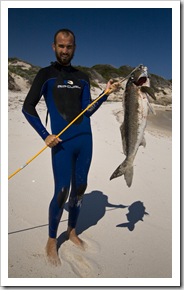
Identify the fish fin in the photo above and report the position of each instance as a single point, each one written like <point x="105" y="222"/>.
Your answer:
<point x="149" y="91"/>
<point x="120" y="170"/>
<point x="143" y="142"/>
<point x="129" y="175"/>
<point x="127" y="170"/>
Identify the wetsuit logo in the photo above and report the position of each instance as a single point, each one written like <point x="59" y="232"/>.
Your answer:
<point x="68" y="84"/>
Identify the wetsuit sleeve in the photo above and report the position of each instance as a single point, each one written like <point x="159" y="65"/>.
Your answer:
<point x="86" y="100"/>
<point x="32" y="99"/>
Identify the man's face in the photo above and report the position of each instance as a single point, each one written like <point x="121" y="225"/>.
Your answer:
<point x="64" y="48"/>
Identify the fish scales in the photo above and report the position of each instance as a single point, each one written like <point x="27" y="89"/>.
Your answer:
<point x="131" y="121"/>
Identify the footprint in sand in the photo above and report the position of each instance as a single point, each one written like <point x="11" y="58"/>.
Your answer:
<point x="91" y="245"/>
<point x="81" y="261"/>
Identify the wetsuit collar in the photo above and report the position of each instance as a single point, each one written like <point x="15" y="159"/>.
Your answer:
<point x="60" y="67"/>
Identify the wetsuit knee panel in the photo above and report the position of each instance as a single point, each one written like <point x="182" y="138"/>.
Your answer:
<point x="80" y="190"/>
<point x="77" y="199"/>
<point x="62" y="196"/>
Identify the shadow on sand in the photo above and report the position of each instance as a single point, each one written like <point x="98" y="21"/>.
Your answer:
<point x="93" y="209"/>
<point x="135" y="214"/>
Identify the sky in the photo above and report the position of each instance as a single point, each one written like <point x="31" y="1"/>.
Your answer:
<point x="114" y="36"/>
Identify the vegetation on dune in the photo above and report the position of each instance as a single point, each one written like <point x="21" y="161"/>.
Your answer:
<point x="98" y="74"/>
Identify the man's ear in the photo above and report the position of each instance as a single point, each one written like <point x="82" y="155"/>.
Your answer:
<point x="53" y="47"/>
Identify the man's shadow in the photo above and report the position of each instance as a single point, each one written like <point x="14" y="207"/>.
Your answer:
<point x="92" y="211"/>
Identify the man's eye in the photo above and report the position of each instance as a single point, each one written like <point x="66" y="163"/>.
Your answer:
<point x="68" y="47"/>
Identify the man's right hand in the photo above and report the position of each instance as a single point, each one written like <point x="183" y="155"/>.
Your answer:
<point x="52" y="140"/>
<point x="113" y="86"/>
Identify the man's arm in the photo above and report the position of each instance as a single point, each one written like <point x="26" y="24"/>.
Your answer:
<point x="86" y="100"/>
<point x="29" y="106"/>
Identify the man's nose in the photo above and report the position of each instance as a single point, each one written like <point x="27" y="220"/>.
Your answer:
<point x="65" y="49"/>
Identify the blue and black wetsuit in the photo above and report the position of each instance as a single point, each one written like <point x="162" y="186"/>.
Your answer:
<point x="66" y="91"/>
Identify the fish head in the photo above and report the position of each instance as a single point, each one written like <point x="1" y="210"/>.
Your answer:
<point x="139" y="77"/>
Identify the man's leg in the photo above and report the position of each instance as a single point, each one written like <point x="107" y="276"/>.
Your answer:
<point x="75" y="203"/>
<point x="80" y="171"/>
<point x="62" y="176"/>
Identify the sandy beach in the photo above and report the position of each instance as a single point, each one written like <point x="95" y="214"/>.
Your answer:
<point x="114" y="250"/>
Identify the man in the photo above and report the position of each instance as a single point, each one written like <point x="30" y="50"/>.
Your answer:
<point x="67" y="92"/>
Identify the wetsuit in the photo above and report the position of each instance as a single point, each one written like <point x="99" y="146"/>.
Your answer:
<point x="66" y="91"/>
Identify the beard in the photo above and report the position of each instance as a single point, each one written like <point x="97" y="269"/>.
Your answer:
<point x="64" y="59"/>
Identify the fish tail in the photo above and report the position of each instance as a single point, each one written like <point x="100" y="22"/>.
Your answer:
<point x="129" y="175"/>
<point x="125" y="169"/>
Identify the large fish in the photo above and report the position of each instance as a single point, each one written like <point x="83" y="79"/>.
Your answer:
<point x="135" y="117"/>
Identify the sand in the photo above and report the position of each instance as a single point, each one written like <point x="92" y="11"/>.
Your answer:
<point x="113" y="249"/>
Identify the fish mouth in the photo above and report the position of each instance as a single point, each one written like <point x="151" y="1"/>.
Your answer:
<point x="140" y="81"/>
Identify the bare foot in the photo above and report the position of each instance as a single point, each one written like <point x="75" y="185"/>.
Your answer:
<point x="72" y="236"/>
<point x="51" y="251"/>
